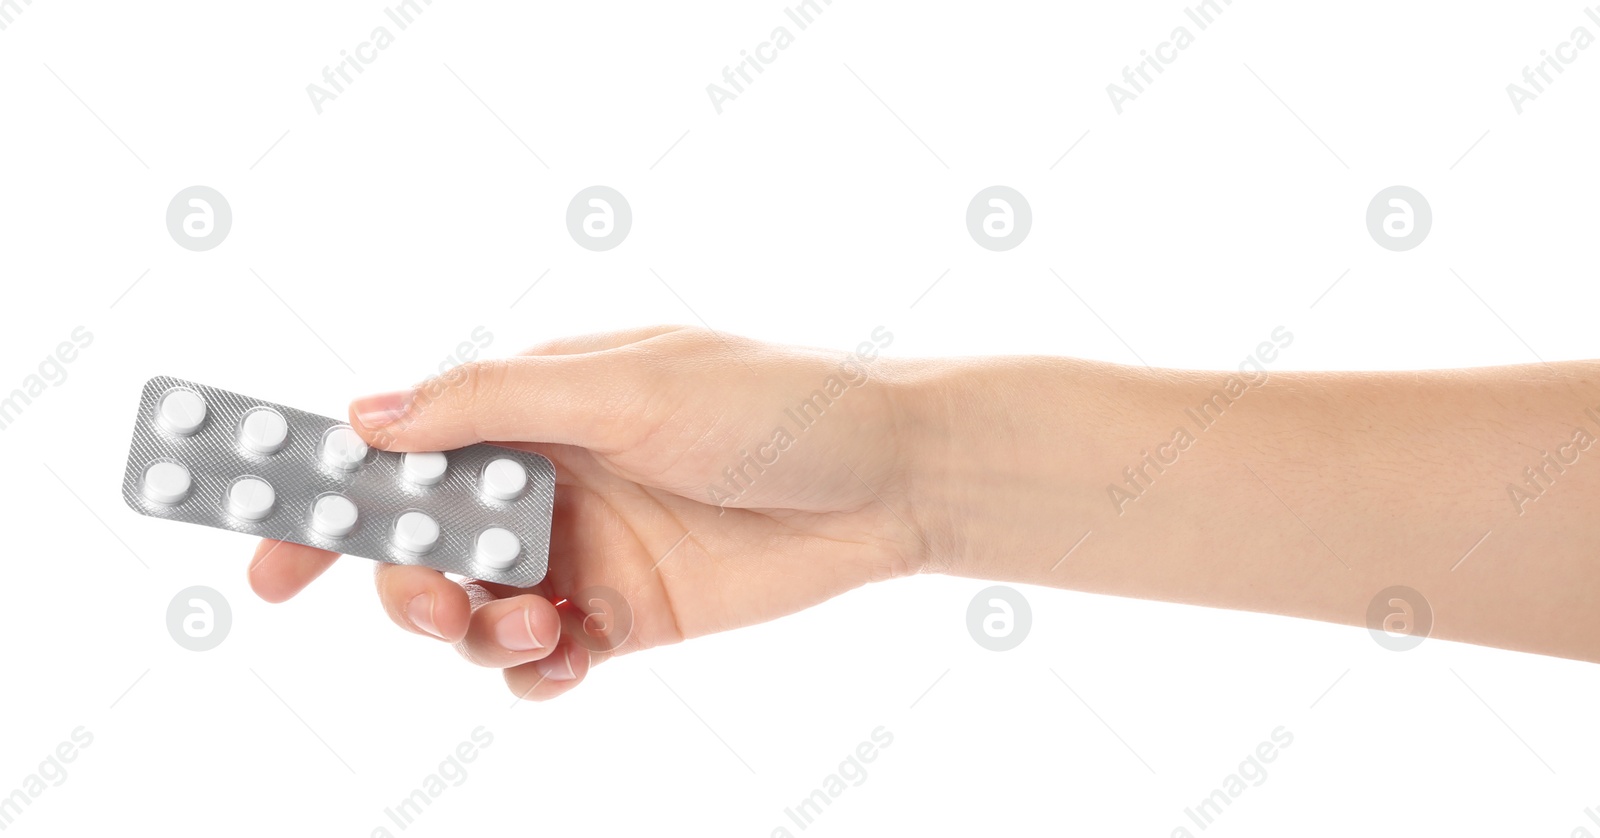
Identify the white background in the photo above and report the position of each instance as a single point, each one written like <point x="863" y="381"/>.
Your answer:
<point x="387" y="228"/>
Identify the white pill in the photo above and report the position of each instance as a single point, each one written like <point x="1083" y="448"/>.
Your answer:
<point x="166" y="483"/>
<point x="333" y="515"/>
<point x="415" y="532"/>
<point x="182" y="411"/>
<point x="251" y="498"/>
<point x="342" y="448"/>
<point x="496" y="548"/>
<point x="263" y="430"/>
<point x="504" y="479"/>
<point x="423" y="469"/>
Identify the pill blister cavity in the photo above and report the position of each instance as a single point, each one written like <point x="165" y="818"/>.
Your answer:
<point x="423" y="469"/>
<point x="416" y="532"/>
<point x="263" y="431"/>
<point x="166" y="483"/>
<point x="251" y="499"/>
<point x="333" y="516"/>
<point x="342" y="448"/>
<point x="504" y="479"/>
<point x="496" y="548"/>
<point x="181" y="411"/>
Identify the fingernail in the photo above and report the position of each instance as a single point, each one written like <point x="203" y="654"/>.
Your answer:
<point x="556" y="667"/>
<point x="515" y="631"/>
<point x="375" y="412"/>
<point x="420" y="610"/>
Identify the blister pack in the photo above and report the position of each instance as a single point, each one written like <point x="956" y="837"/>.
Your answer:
<point x="208" y="456"/>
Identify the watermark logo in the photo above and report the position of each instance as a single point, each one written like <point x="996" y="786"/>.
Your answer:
<point x="1137" y="77"/>
<point x="1552" y="465"/>
<point x="851" y="773"/>
<point x="451" y="374"/>
<point x="999" y="218"/>
<point x="599" y="218"/>
<point x="353" y="62"/>
<point x="1251" y="773"/>
<point x="1399" y="218"/>
<point x="999" y="618"/>
<point x="1140" y="477"/>
<point x="199" y="618"/>
<point x="1537" y="77"/>
<point x="450" y="773"/>
<point x="741" y="477"/>
<point x="607" y="621"/>
<point x="52" y="372"/>
<point x="50" y="773"/>
<point x="742" y="73"/>
<point x="199" y="218"/>
<point x="9" y="10"/>
<point x="1399" y="618"/>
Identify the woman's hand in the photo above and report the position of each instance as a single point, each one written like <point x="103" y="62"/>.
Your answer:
<point x="712" y="481"/>
<point x="716" y="482"/>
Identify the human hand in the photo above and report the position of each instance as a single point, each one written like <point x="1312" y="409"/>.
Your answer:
<point x="715" y="482"/>
<point x="712" y="481"/>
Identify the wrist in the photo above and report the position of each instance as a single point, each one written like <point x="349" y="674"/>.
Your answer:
<point x="1003" y="464"/>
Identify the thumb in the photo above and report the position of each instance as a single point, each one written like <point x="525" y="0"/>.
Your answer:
<point x="581" y="400"/>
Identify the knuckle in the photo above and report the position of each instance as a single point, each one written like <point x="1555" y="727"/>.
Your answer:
<point x="700" y="339"/>
<point x="478" y="382"/>
<point x="480" y="386"/>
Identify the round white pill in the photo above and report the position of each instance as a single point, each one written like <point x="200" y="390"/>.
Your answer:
<point x="166" y="482"/>
<point x="263" y="430"/>
<point x="251" y="499"/>
<point x="415" y="532"/>
<point x="504" y="479"/>
<point x="333" y="515"/>
<point x="423" y="469"/>
<point x="182" y="411"/>
<point x="496" y="548"/>
<point x="342" y="448"/>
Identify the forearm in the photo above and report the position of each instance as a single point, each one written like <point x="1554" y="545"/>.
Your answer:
<point x="1302" y="494"/>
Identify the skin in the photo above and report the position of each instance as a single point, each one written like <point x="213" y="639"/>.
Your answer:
<point x="1306" y="497"/>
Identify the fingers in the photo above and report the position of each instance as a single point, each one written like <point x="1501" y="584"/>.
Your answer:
<point x="544" y="649"/>
<point x="422" y="600"/>
<point x="554" y="392"/>
<point x="280" y="569"/>
<point x="509" y="632"/>
<point x="561" y="670"/>
<point x="581" y="400"/>
<point x="537" y="643"/>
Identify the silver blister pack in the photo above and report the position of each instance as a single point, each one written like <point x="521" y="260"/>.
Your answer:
<point x="208" y="456"/>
